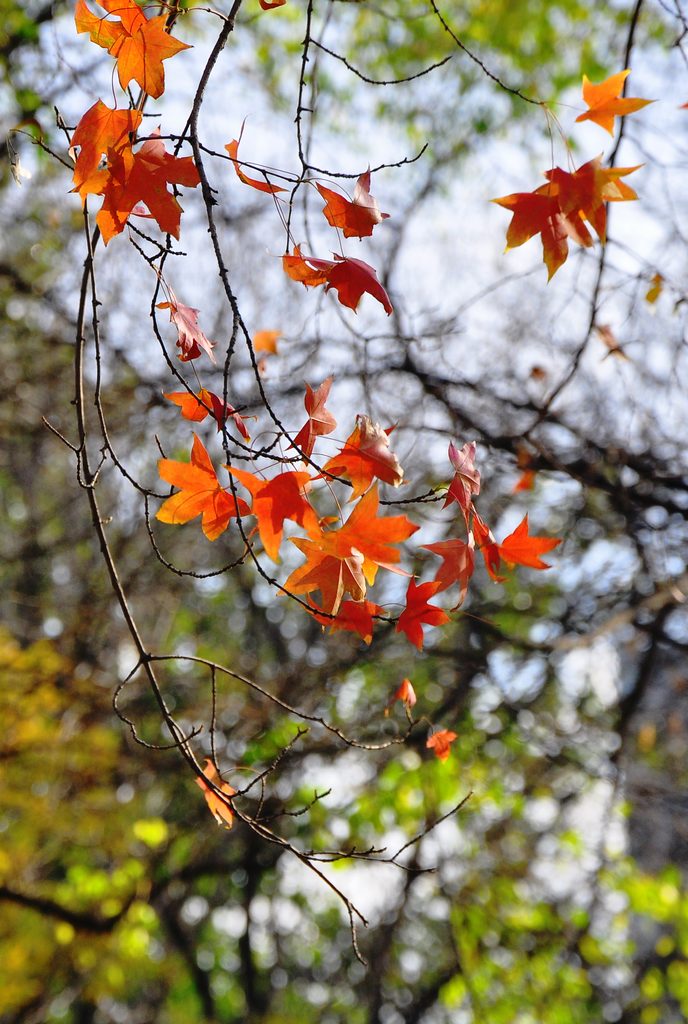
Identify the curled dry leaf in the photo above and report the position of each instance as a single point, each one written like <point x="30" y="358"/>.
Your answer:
<point x="355" y="218"/>
<point x="191" y="338"/>
<point x="320" y="421"/>
<point x="219" y="808"/>
<point x="366" y="454"/>
<point x="233" y="149"/>
<point x="404" y="693"/>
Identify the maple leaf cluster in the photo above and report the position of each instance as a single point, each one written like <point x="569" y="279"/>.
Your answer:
<point x="355" y="218"/>
<point x="559" y="210"/>
<point x="342" y="556"/>
<point x="130" y="182"/>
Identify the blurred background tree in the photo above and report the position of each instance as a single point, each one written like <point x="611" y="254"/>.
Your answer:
<point x="557" y="893"/>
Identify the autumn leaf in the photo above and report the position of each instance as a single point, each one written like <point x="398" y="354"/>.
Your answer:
<point x="520" y="548"/>
<point x="205" y="403"/>
<point x="655" y="289"/>
<point x="266" y="341"/>
<point x="404" y="693"/>
<point x="353" y="616"/>
<point x="191" y="338"/>
<point x="270" y="5"/>
<point x="605" y="101"/>
<point x="350" y="278"/>
<point x="200" y="494"/>
<point x="419" y="612"/>
<point x="343" y="560"/>
<point x="440" y="741"/>
<point x="131" y="178"/>
<point x="220" y="810"/>
<point x="366" y="454"/>
<point x="488" y="547"/>
<point x="320" y="421"/>
<point x="99" y="130"/>
<point x="525" y="482"/>
<point x="584" y="193"/>
<point x="558" y="211"/>
<point x="275" y="500"/>
<point x="458" y="562"/>
<point x="233" y="150"/>
<point x="535" y="213"/>
<point x="299" y="269"/>
<point x="356" y="218"/>
<point x="611" y="342"/>
<point x="139" y="45"/>
<point x="466" y="480"/>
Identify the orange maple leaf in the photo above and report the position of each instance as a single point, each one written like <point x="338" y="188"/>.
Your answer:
<point x="298" y="269"/>
<point x="205" y="403"/>
<point x="342" y="561"/>
<point x="520" y="548"/>
<point x="233" y="150"/>
<point x="219" y="808"/>
<point x="275" y="500"/>
<point x="440" y="741"/>
<point x="525" y="482"/>
<point x="458" y="562"/>
<point x="191" y="338"/>
<point x="356" y="218"/>
<point x="266" y="341"/>
<point x="605" y="101"/>
<point x="366" y="454"/>
<point x="419" y="612"/>
<point x="131" y="178"/>
<point x="270" y="5"/>
<point x="583" y="195"/>
<point x="99" y="130"/>
<point x="200" y="494"/>
<point x="138" y="45"/>
<point x="320" y="421"/>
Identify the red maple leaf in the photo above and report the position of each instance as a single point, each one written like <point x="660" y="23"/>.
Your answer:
<point x="349" y="277"/>
<point x="275" y="500"/>
<point x="418" y="612"/>
<point x="342" y="561"/>
<point x="200" y="494"/>
<point x="354" y="617"/>
<point x="488" y="547"/>
<point x="605" y="101"/>
<point x="138" y="45"/>
<point x="191" y="338"/>
<point x="320" y="421"/>
<point x="520" y="548"/>
<point x="131" y="178"/>
<point x="366" y="454"/>
<point x="458" y="562"/>
<point x="440" y="741"/>
<point x="99" y="130"/>
<point x="233" y="150"/>
<point x="356" y="218"/>
<point x="219" y="808"/>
